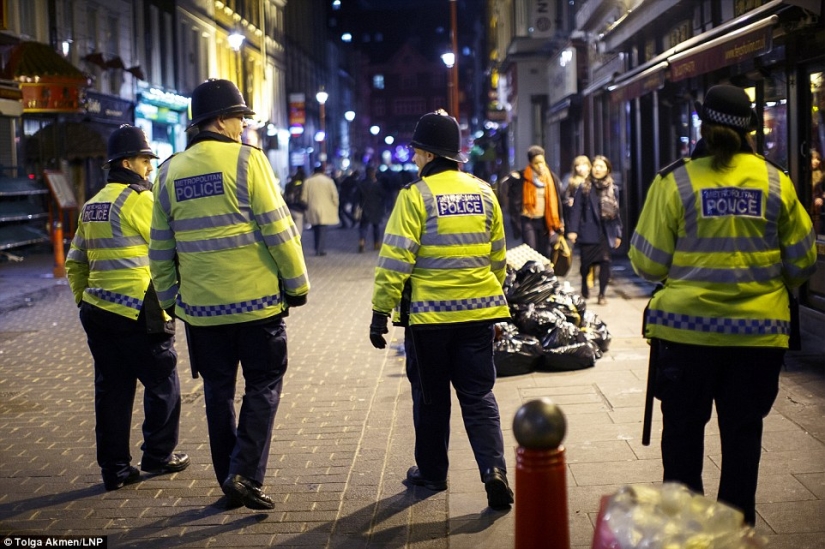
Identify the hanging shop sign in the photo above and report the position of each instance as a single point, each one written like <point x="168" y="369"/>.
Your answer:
<point x="51" y="97"/>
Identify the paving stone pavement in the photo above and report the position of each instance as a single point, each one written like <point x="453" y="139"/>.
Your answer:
<point x="343" y="436"/>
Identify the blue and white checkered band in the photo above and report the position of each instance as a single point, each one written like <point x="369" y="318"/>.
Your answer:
<point x="742" y="122"/>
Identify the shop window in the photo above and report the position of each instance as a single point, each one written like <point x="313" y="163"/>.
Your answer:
<point x="817" y="150"/>
<point x="775" y="116"/>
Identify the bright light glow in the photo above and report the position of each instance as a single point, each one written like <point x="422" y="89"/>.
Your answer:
<point x="346" y="37"/>
<point x="320" y="136"/>
<point x="449" y="59"/>
<point x="322" y="96"/>
<point x="271" y="130"/>
<point x="566" y="57"/>
<point x="349" y="115"/>
<point x="64" y="47"/>
<point x="389" y="140"/>
<point x="375" y="130"/>
<point x="296" y="130"/>
<point x="236" y="40"/>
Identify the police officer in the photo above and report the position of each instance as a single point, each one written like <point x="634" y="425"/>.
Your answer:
<point x="129" y="335"/>
<point x="227" y="254"/>
<point x="725" y="232"/>
<point x="444" y="242"/>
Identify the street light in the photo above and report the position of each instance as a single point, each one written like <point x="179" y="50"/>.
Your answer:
<point x="454" y="67"/>
<point x="236" y="40"/>
<point x="322" y="97"/>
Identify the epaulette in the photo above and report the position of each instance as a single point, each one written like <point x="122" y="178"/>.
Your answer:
<point x="167" y="160"/>
<point x="671" y="167"/>
<point x="252" y="146"/>
<point x="477" y="178"/>
<point x="413" y="182"/>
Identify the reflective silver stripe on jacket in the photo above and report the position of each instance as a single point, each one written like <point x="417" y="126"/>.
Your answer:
<point x="402" y="242"/>
<point x="395" y="265"/>
<point x="221" y="243"/>
<point x="119" y="263"/>
<point x="463" y="262"/>
<point x="163" y="192"/>
<point x="166" y="295"/>
<point x="294" y="283"/>
<point x="456" y="305"/>
<point x="735" y="326"/>
<point x="692" y="243"/>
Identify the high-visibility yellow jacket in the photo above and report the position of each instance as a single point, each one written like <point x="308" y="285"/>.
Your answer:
<point x="223" y="244"/>
<point x="727" y="245"/>
<point x="445" y="235"/>
<point x="108" y="263"/>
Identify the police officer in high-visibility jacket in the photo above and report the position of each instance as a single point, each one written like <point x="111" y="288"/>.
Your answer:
<point x="227" y="254"/>
<point x="444" y="243"/>
<point x="129" y="335"/>
<point x="725" y="233"/>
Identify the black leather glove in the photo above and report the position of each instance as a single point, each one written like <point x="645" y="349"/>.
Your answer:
<point x="295" y="300"/>
<point x="378" y="328"/>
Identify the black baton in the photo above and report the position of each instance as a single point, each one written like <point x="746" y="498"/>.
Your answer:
<point x="651" y="385"/>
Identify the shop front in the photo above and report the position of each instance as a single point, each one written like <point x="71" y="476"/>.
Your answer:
<point x="162" y="116"/>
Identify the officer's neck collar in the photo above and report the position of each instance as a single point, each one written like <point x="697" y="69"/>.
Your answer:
<point x="210" y="136"/>
<point x="437" y="165"/>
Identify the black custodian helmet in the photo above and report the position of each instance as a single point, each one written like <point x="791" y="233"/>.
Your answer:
<point x="126" y="142"/>
<point x="216" y="98"/>
<point x="438" y="133"/>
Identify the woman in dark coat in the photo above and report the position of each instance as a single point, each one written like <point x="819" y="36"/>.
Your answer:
<point x="595" y="224"/>
<point x="371" y="199"/>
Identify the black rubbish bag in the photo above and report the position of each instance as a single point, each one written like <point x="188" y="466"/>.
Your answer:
<point x="533" y="284"/>
<point x="515" y="354"/>
<point x="537" y="321"/>
<point x="595" y="330"/>
<point x="562" y="335"/>
<point x="576" y="356"/>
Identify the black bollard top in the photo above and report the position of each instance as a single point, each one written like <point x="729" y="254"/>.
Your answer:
<point x="539" y="425"/>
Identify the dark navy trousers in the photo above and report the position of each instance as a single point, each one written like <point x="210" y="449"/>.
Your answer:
<point x="461" y="356"/>
<point x="743" y="383"/>
<point x="240" y="445"/>
<point x="123" y="355"/>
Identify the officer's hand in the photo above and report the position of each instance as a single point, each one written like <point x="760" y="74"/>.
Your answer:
<point x="572" y="237"/>
<point x="618" y="242"/>
<point x="378" y="328"/>
<point x="295" y="300"/>
<point x="171" y="312"/>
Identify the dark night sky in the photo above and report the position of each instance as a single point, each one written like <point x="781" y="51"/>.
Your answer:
<point x="425" y="23"/>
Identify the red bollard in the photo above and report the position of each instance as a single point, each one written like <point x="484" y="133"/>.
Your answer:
<point x="59" y="256"/>
<point x="541" y="485"/>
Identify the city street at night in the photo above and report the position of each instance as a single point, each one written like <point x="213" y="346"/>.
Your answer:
<point x="343" y="437"/>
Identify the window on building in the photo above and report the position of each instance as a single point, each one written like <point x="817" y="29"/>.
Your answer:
<point x="378" y="81"/>
<point x="408" y="106"/>
<point x="409" y="81"/>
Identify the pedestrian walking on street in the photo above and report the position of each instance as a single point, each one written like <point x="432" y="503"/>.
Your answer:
<point x="444" y="248"/>
<point x="726" y="234"/>
<point x="321" y="197"/>
<point x="371" y="202"/>
<point x="595" y="224"/>
<point x="535" y="199"/>
<point x="226" y="253"/>
<point x="292" y="196"/>
<point x="130" y="337"/>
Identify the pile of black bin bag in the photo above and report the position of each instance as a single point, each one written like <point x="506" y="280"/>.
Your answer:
<point x="549" y="329"/>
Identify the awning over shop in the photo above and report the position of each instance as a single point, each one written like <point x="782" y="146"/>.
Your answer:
<point x="65" y="140"/>
<point x="49" y="83"/>
<point x="644" y="82"/>
<point x="740" y="45"/>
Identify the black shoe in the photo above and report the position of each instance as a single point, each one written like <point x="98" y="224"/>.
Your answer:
<point x="177" y="463"/>
<point x="131" y="478"/>
<point x="499" y="494"/>
<point x="414" y="477"/>
<point x="243" y="489"/>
